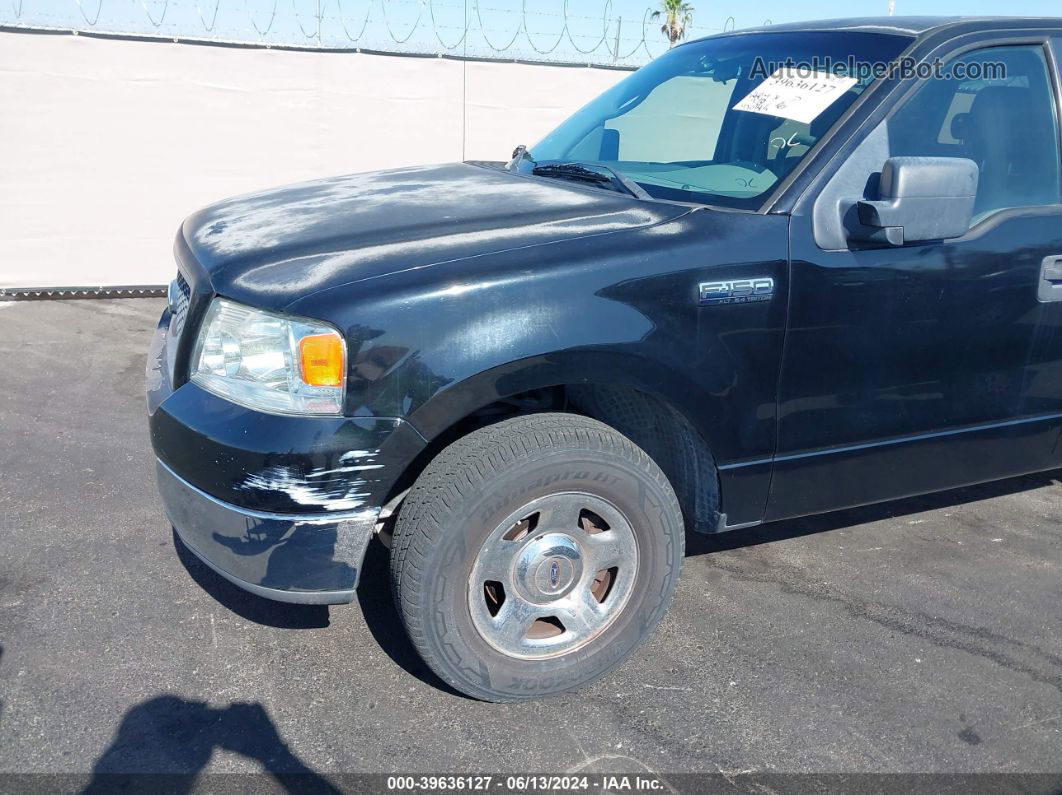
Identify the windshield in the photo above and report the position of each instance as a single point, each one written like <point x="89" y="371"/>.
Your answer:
<point x="721" y="121"/>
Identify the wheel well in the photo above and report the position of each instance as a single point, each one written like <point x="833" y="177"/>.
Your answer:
<point x="658" y="428"/>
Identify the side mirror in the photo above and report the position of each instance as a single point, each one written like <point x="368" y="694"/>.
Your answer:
<point x="920" y="199"/>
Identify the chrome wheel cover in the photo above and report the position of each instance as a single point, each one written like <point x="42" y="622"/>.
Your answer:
<point x="553" y="575"/>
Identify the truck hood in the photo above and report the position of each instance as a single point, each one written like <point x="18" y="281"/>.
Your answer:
<point x="273" y="248"/>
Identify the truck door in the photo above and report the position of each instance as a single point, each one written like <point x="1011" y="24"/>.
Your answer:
<point x="912" y="368"/>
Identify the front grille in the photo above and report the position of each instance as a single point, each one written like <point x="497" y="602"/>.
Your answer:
<point x="179" y="304"/>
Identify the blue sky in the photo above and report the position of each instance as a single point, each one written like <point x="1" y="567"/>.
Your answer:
<point x="495" y="27"/>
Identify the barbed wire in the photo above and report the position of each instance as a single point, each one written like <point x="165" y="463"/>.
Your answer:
<point x="147" y="12"/>
<point x="600" y="35"/>
<point x="214" y="19"/>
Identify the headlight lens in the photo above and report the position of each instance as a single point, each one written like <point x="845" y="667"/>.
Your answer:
<point x="270" y="362"/>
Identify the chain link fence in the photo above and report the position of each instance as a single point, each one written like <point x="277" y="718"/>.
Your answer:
<point x="617" y="33"/>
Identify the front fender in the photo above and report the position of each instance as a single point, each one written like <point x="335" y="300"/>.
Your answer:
<point x="591" y="366"/>
<point x="432" y="345"/>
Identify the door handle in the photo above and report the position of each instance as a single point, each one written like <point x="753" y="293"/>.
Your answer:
<point x="1050" y="284"/>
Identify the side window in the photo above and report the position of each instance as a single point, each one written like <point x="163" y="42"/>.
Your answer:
<point x="996" y="107"/>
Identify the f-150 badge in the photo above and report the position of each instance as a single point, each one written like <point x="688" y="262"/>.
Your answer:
<point x="737" y="291"/>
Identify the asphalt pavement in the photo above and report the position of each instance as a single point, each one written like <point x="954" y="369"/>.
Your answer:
<point x="916" y="636"/>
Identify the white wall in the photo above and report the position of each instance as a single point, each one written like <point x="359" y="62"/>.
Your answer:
<point x="108" y="144"/>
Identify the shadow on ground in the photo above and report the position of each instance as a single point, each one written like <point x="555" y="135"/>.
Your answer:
<point x="246" y="605"/>
<point x="173" y="739"/>
<point x="374" y="598"/>
<point x="382" y="619"/>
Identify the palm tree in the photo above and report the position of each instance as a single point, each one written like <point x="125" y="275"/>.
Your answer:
<point x="678" y="16"/>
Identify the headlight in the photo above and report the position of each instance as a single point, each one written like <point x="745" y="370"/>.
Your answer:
<point x="270" y="362"/>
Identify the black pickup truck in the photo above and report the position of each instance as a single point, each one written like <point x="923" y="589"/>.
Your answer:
<point x="774" y="272"/>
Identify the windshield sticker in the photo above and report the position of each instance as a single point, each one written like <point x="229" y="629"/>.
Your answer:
<point x="797" y="94"/>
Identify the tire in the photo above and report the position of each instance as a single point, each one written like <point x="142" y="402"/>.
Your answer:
<point x="586" y="543"/>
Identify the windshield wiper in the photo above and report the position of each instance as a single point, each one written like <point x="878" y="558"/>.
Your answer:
<point x="592" y="175"/>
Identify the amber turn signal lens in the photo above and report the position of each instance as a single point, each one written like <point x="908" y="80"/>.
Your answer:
<point x="322" y="360"/>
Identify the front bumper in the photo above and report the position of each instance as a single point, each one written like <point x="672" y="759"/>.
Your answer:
<point x="303" y="559"/>
<point x="281" y="506"/>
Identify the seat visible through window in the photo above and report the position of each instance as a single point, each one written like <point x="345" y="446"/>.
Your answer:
<point x="1002" y="117"/>
<point x="1016" y="154"/>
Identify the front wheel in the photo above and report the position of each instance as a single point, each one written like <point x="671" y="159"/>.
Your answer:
<point x="534" y="555"/>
